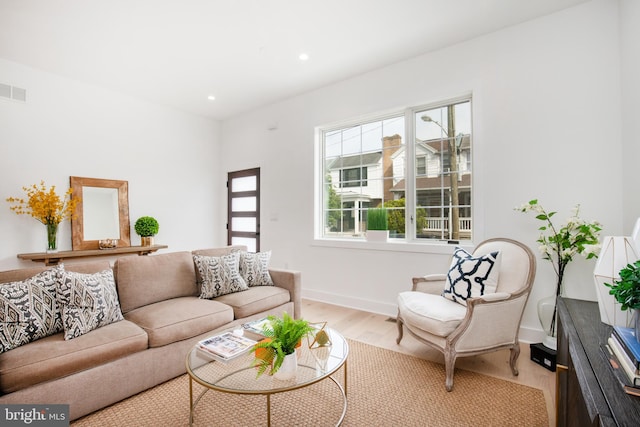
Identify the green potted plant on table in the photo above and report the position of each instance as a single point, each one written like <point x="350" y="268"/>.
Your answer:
<point x="146" y="227"/>
<point x="276" y="352"/>
<point x="377" y="225"/>
<point x="627" y="292"/>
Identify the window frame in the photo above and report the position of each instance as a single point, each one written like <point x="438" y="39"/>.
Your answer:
<point x="410" y="243"/>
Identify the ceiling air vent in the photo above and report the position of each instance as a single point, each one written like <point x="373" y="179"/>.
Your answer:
<point x="12" y="92"/>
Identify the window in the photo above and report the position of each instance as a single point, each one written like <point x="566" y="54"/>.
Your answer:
<point x="354" y="177"/>
<point x="424" y="180"/>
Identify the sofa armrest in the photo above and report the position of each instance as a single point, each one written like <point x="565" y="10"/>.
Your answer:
<point x="290" y="280"/>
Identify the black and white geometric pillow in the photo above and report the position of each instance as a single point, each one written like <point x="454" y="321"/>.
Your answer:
<point x="254" y="268"/>
<point x="88" y="302"/>
<point x="471" y="276"/>
<point x="219" y="275"/>
<point x="29" y="310"/>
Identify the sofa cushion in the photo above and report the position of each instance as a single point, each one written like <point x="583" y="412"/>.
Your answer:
<point x="431" y="313"/>
<point x="254" y="268"/>
<point x="52" y="357"/>
<point x="143" y="280"/>
<point x="80" y="267"/>
<point x="220" y="251"/>
<point x="471" y="276"/>
<point x="87" y="301"/>
<point x="179" y="318"/>
<point x="29" y="310"/>
<point x="255" y="300"/>
<point x="219" y="275"/>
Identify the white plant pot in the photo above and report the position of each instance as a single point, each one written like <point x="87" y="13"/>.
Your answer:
<point x="288" y="368"/>
<point x="377" y="235"/>
<point x="616" y="253"/>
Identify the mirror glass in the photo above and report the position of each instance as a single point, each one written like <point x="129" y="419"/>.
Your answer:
<point x="102" y="212"/>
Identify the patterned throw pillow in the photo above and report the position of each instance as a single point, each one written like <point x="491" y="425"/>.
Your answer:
<point x="28" y="309"/>
<point x="254" y="268"/>
<point x="471" y="276"/>
<point x="219" y="275"/>
<point x="88" y="302"/>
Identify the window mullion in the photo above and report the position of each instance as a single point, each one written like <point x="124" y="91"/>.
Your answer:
<point x="410" y="176"/>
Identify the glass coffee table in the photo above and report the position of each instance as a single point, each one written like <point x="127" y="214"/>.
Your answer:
<point x="238" y="376"/>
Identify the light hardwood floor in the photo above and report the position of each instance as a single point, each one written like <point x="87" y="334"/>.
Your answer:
<point x="382" y="331"/>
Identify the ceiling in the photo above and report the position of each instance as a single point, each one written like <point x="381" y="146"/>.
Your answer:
<point x="244" y="52"/>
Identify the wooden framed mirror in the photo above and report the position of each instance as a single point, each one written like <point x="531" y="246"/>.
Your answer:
<point x="102" y="212"/>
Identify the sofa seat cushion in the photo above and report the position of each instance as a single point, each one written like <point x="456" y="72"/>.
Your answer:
<point x="255" y="300"/>
<point x="52" y="357"/>
<point x="178" y="319"/>
<point x="431" y="313"/>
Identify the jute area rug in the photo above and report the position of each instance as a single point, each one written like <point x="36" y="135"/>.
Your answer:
<point x="385" y="388"/>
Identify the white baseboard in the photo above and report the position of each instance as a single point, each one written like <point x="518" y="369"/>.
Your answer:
<point x="390" y="310"/>
<point x="526" y="335"/>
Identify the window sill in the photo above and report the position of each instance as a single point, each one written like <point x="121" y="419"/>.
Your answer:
<point x="393" y="246"/>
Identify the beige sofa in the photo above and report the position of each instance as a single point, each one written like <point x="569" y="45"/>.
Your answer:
<point x="164" y="318"/>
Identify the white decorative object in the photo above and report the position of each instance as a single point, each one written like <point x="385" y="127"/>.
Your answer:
<point x="616" y="253"/>
<point x="377" y="235"/>
<point x="635" y="236"/>
<point x="288" y="368"/>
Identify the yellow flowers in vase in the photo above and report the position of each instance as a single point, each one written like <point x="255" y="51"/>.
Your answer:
<point x="46" y="206"/>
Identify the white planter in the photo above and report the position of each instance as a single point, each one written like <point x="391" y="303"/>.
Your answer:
<point x="288" y="368"/>
<point x="377" y="235"/>
<point x="616" y="253"/>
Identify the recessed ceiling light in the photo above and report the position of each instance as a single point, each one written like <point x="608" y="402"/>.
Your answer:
<point x="303" y="57"/>
<point x="211" y="98"/>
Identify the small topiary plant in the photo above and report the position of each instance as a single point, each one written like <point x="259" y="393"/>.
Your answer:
<point x="146" y="226"/>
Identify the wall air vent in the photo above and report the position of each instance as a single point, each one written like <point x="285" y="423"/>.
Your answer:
<point x="13" y="93"/>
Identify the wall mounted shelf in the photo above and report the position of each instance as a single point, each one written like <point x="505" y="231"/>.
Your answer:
<point x="53" y="258"/>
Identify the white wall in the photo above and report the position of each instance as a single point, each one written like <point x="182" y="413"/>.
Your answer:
<point x="547" y="109"/>
<point x="67" y="128"/>
<point x="630" y="72"/>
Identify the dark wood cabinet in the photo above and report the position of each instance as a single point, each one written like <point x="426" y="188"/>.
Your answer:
<point x="588" y="393"/>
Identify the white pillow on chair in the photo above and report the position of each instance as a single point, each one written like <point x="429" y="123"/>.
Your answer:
<point x="471" y="276"/>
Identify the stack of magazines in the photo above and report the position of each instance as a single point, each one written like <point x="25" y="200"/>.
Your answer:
<point x="226" y="346"/>
<point x="623" y="350"/>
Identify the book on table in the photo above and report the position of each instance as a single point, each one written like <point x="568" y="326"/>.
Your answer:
<point x="619" y="371"/>
<point x="226" y="346"/>
<point x="255" y="328"/>
<point x="627" y="338"/>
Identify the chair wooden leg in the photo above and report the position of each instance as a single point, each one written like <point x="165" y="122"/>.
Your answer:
<point x="515" y="353"/>
<point x="449" y="368"/>
<point x="400" y="330"/>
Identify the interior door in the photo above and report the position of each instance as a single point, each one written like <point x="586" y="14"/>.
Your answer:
<point x="243" y="209"/>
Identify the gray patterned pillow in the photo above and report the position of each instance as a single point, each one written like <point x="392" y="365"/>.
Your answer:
<point x="88" y="302"/>
<point x="29" y="310"/>
<point x="219" y="275"/>
<point x="471" y="276"/>
<point x="254" y="268"/>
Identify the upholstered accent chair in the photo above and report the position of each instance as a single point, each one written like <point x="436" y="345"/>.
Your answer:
<point x="476" y="324"/>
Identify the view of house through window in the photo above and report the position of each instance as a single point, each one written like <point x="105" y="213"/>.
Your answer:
<point x="366" y="165"/>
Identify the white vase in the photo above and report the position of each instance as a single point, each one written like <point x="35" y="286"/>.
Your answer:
<point x="288" y="368"/>
<point x="548" y="315"/>
<point x="616" y="253"/>
<point x="377" y="235"/>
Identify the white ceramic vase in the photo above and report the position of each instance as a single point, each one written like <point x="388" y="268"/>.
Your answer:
<point x="288" y="368"/>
